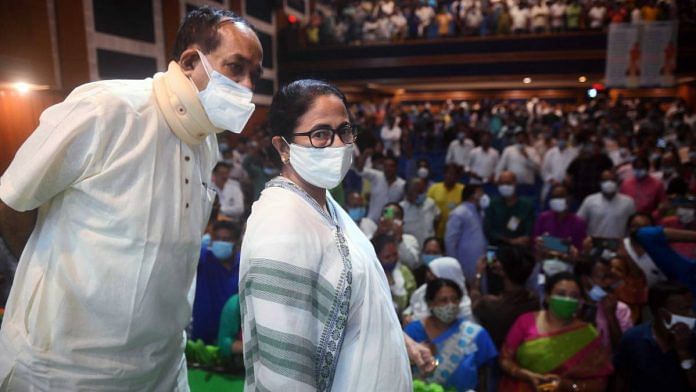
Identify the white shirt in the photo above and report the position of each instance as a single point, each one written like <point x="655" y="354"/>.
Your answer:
<point x="540" y="16"/>
<point x="100" y="294"/>
<point x="557" y="14"/>
<point x="458" y="152"/>
<point x="597" y="15"/>
<point x="520" y="18"/>
<point x="523" y="167"/>
<point x="556" y="162"/>
<point x="419" y="220"/>
<point x="391" y="137"/>
<point x="381" y="192"/>
<point x="483" y="163"/>
<point x="231" y="199"/>
<point x="606" y="218"/>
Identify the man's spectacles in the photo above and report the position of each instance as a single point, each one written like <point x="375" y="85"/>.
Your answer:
<point x="324" y="136"/>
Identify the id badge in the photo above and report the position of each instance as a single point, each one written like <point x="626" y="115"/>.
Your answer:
<point x="513" y="223"/>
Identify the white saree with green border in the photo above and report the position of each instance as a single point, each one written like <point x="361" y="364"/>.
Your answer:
<point x="317" y="313"/>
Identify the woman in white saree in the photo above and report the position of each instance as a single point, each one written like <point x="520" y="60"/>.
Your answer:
<point x="316" y="306"/>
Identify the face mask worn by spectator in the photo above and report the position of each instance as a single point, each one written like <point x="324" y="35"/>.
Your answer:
<point x="321" y="167"/>
<point x="558" y="204"/>
<point x="484" y="202"/>
<point x="563" y="307"/>
<point x="689" y="321"/>
<point x="446" y="313"/>
<point x="608" y="187"/>
<point x="685" y="215"/>
<point x="226" y="102"/>
<point x="506" y="190"/>
<point x="356" y="213"/>
<point x="597" y="293"/>
<point x="420" y="199"/>
<point x="222" y="250"/>
<point x="640" y="173"/>
<point x="427" y="259"/>
<point x="423" y="173"/>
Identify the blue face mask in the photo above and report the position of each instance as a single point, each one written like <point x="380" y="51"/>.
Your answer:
<point x="389" y="268"/>
<point x="356" y="213"/>
<point x="206" y="240"/>
<point x="427" y="259"/>
<point x="420" y="199"/>
<point x="597" y="293"/>
<point x="222" y="249"/>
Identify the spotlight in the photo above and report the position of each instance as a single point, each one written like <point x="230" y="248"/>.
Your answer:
<point x="582" y="79"/>
<point x="527" y="80"/>
<point x="22" y="87"/>
<point x="592" y="93"/>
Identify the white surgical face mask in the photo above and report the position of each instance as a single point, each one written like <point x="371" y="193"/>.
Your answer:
<point x="506" y="190"/>
<point x="558" y="204"/>
<point x="484" y="202"/>
<point x="321" y="167"/>
<point x="226" y="102"/>
<point x="685" y="215"/>
<point x="676" y="319"/>
<point x="608" y="187"/>
<point x="423" y="172"/>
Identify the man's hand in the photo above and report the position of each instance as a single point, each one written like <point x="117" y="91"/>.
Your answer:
<point x="682" y="339"/>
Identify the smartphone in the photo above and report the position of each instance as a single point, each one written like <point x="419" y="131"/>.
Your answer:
<point x="490" y="254"/>
<point x="555" y="244"/>
<point x="389" y="213"/>
<point x="611" y="244"/>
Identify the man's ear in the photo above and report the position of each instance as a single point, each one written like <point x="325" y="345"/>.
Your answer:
<point x="188" y="61"/>
<point x="282" y="148"/>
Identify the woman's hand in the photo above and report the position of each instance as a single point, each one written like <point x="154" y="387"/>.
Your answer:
<point x="420" y="355"/>
<point x="538" y="380"/>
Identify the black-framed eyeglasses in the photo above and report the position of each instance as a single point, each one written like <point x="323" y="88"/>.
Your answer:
<point x="324" y="136"/>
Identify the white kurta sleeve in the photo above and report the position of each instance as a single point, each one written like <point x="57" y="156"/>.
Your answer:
<point x="63" y="150"/>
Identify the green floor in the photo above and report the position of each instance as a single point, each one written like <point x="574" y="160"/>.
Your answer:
<point x="205" y="381"/>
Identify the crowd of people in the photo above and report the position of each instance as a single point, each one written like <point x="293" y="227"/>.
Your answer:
<point x="528" y="243"/>
<point x="355" y="22"/>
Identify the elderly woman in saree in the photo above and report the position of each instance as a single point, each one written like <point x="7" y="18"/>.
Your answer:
<point x="316" y="307"/>
<point x="553" y="350"/>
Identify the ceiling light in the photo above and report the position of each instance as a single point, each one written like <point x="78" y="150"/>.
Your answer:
<point x="527" y="80"/>
<point x="582" y="79"/>
<point x="22" y="87"/>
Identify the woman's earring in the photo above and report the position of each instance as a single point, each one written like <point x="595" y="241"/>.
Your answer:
<point x="285" y="160"/>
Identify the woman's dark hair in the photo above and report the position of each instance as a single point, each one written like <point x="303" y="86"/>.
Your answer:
<point x="380" y="241"/>
<point x="660" y="293"/>
<point x="517" y="262"/>
<point x="553" y="280"/>
<point x="293" y="100"/>
<point x="434" y="287"/>
<point x="200" y="27"/>
<point x="439" y="242"/>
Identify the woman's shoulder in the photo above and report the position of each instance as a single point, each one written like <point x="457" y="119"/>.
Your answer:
<point x="416" y="330"/>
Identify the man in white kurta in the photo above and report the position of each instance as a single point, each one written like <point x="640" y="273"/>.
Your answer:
<point x="119" y="173"/>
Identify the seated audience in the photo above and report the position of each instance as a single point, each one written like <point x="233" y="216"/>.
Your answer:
<point x="229" y="191"/>
<point x="355" y="205"/>
<point x="391" y="223"/>
<point x="385" y="186"/>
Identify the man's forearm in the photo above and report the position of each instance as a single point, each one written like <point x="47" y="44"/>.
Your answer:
<point x="16" y="227"/>
<point x="676" y="235"/>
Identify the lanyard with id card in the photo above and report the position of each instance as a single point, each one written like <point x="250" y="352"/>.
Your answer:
<point x="513" y="223"/>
